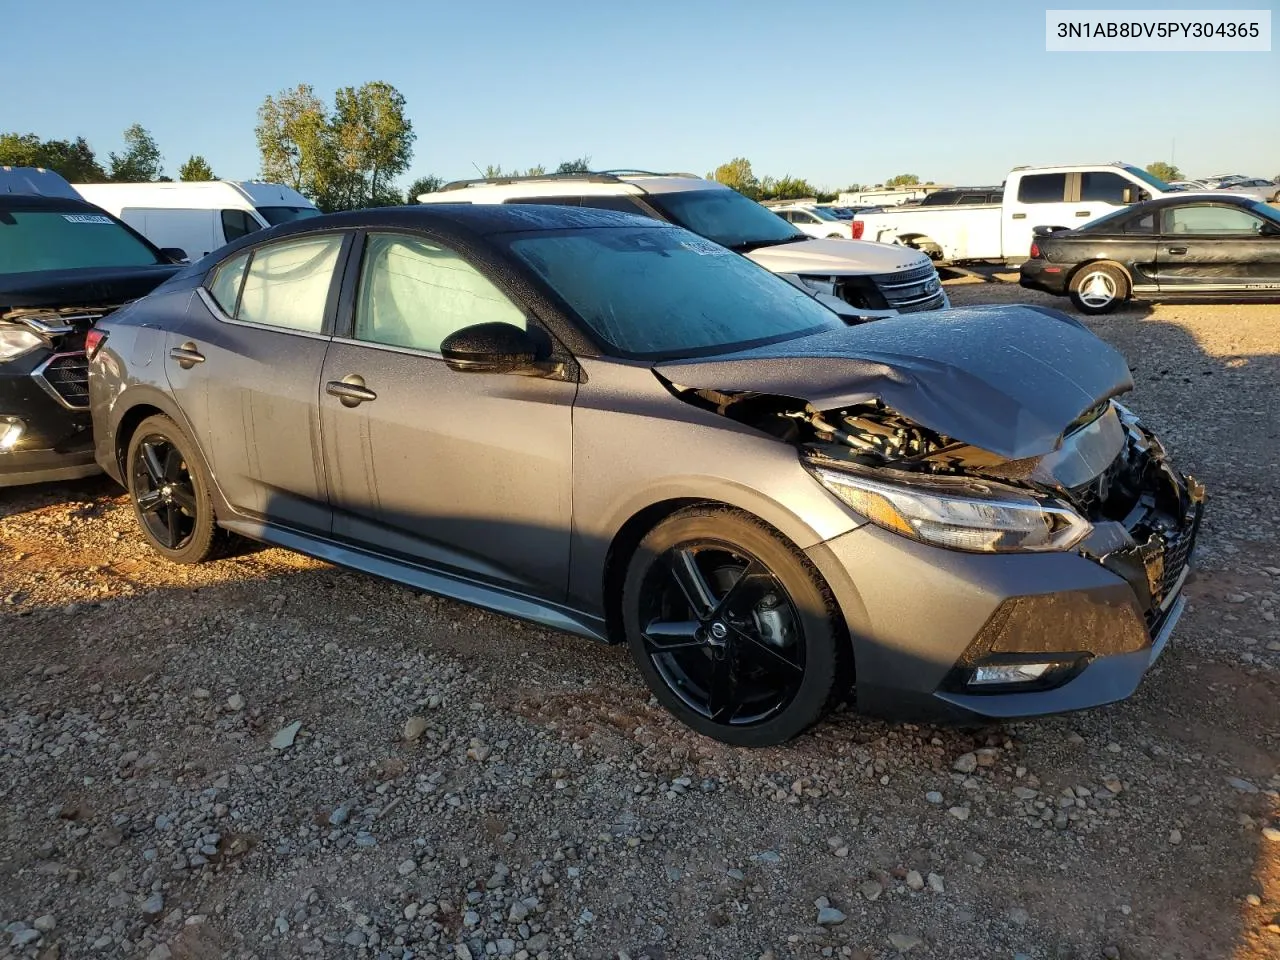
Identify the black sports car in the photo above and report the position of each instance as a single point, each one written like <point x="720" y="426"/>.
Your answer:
<point x="1196" y="246"/>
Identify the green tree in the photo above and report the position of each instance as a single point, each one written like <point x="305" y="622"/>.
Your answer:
<point x="294" y="142"/>
<point x="373" y="144"/>
<point x="72" y="159"/>
<point x="1165" y="171"/>
<point x="140" y="160"/>
<point x="785" y="188"/>
<point x="580" y="165"/>
<point x="738" y="175"/>
<point x="493" y="170"/>
<point x="428" y="184"/>
<point x="537" y="170"/>
<point x="196" y="169"/>
<point x="902" y="180"/>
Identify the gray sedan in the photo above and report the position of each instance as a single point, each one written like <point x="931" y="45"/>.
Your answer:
<point x="611" y="426"/>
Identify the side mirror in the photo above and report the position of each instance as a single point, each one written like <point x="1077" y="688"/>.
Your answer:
<point x="1129" y="195"/>
<point x="1269" y="229"/>
<point x="497" y="348"/>
<point x="176" y="254"/>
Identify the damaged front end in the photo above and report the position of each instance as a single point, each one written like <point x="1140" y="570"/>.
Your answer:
<point x="1108" y="492"/>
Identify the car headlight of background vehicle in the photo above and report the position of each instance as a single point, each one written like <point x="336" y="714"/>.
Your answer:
<point x="978" y="519"/>
<point x="15" y="342"/>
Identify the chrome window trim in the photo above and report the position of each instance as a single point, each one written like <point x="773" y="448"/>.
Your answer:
<point x="221" y="317"/>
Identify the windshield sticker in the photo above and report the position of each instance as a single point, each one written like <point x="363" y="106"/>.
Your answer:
<point x="85" y="218"/>
<point x="705" y="248"/>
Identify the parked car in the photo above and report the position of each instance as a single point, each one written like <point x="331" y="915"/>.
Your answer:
<point x="1192" y="185"/>
<point x="814" y="221"/>
<point x="64" y="264"/>
<point x="1033" y="196"/>
<point x="856" y="279"/>
<point x="963" y="197"/>
<point x="609" y="425"/>
<point x="1268" y="191"/>
<point x="199" y="217"/>
<point x="1216" y="245"/>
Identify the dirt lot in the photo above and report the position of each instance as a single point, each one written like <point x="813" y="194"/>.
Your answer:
<point x="463" y="785"/>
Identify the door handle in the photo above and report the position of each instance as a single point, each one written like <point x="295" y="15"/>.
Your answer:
<point x="350" y="390"/>
<point x="187" y="355"/>
<point x="1177" y="249"/>
<point x="1019" y="216"/>
<point x="1083" y="213"/>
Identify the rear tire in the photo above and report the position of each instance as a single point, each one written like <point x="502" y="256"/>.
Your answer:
<point x="170" y="492"/>
<point x="733" y="629"/>
<point x="1099" y="288"/>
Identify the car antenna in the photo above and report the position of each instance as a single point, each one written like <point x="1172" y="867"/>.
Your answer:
<point x="477" y="166"/>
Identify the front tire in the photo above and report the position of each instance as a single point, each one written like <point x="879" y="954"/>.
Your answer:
<point x="170" y="493"/>
<point x="732" y="628"/>
<point x="1099" y="288"/>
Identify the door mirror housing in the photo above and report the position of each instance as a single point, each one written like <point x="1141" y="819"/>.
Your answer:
<point x="498" y="348"/>
<point x="1269" y="229"/>
<point x="175" y="254"/>
<point x="1130" y="195"/>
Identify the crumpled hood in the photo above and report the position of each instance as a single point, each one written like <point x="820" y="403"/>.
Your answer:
<point x="837" y="257"/>
<point x="80" y="287"/>
<point x="1007" y="379"/>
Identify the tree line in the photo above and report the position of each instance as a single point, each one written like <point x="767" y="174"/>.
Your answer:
<point x="75" y="160"/>
<point x="737" y="173"/>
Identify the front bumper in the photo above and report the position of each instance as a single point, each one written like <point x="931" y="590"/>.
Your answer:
<point x="1042" y="275"/>
<point x="923" y="618"/>
<point x="56" y="441"/>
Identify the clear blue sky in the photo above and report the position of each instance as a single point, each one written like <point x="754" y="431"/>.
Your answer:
<point x="831" y="90"/>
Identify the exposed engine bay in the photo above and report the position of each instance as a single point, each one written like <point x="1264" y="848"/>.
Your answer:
<point x="1107" y="467"/>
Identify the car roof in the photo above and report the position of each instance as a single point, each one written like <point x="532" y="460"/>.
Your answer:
<point x="26" y="202"/>
<point x="607" y="183"/>
<point x="482" y="219"/>
<point x="1187" y="196"/>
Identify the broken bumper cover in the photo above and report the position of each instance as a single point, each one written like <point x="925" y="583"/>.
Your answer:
<point x="924" y="619"/>
<point x="54" y="441"/>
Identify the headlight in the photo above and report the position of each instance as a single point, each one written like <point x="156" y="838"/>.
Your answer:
<point x="14" y="343"/>
<point x="990" y="520"/>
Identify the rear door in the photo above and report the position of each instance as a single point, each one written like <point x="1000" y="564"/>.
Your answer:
<point x="246" y="369"/>
<point x="464" y="472"/>
<point x="1216" y="248"/>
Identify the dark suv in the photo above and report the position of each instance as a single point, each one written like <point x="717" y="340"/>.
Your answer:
<point x="64" y="264"/>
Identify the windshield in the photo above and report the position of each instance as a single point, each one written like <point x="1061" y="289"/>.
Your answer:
<point x="725" y="216"/>
<point x="1149" y="180"/>
<point x="274" y="215"/>
<point x="67" y="240"/>
<point x="661" y="293"/>
<point x="822" y="214"/>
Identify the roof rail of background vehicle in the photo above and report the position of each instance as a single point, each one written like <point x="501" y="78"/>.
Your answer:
<point x="602" y="176"/>
<point x="1070" y="166"/>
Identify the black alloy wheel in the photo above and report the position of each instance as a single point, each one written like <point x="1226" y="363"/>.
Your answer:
<point x="170" y="493"/>
<point x="734" y="632"/>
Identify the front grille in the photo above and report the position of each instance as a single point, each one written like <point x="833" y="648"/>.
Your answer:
<point x="66" y="376"/>
<point x="909" y="291"/>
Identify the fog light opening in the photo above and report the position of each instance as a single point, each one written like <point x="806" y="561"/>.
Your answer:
<point x="1011" y="673"/>
<point x="11" y="431"/>
<point x="991" y="673"/>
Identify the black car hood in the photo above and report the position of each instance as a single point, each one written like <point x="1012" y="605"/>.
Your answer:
<point x="1007" y="379"/>
<point x="81" y="287"/>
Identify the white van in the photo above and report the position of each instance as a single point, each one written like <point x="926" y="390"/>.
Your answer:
<point x="199" y="217"/>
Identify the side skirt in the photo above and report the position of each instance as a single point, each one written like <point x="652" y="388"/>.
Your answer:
<point x="482" y="595"/>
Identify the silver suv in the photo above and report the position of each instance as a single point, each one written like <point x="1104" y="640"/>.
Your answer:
<point x="852" y="277"/>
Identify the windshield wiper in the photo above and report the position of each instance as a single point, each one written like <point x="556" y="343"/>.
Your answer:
<point x="748" y="245"/>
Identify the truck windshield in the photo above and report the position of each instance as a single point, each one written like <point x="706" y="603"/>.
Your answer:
<point x="274" y="215"/>
<point x="725" y="216"/>
<point x="32" y="241"/>
<point x="1149" y="180"/>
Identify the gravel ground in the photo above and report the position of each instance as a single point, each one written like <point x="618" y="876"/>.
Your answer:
<point x="270" y="757"/>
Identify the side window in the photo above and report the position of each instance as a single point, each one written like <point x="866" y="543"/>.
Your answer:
<point x="786" y="215"/>
<point x="237" y="224"/>
<point x="1105" y="187"/>
<point x="224" y="285"/>
<point x="803" y="216"/>
<point x="288" y="283"/>
<point x="972" y="198"/>
<point x="414" y="293"/>
<point x="1146" y="223"/>
<point x="1211" y="221"/>
<point x="1042" y="188"/>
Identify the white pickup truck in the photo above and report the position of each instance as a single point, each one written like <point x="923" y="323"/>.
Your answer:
<point x="1063" y="196"/>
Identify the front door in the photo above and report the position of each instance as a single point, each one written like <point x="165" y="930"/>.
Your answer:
<point x="1216" y="248"/>
<point x="246" y="367"/>
<point x="466" y="472"/>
